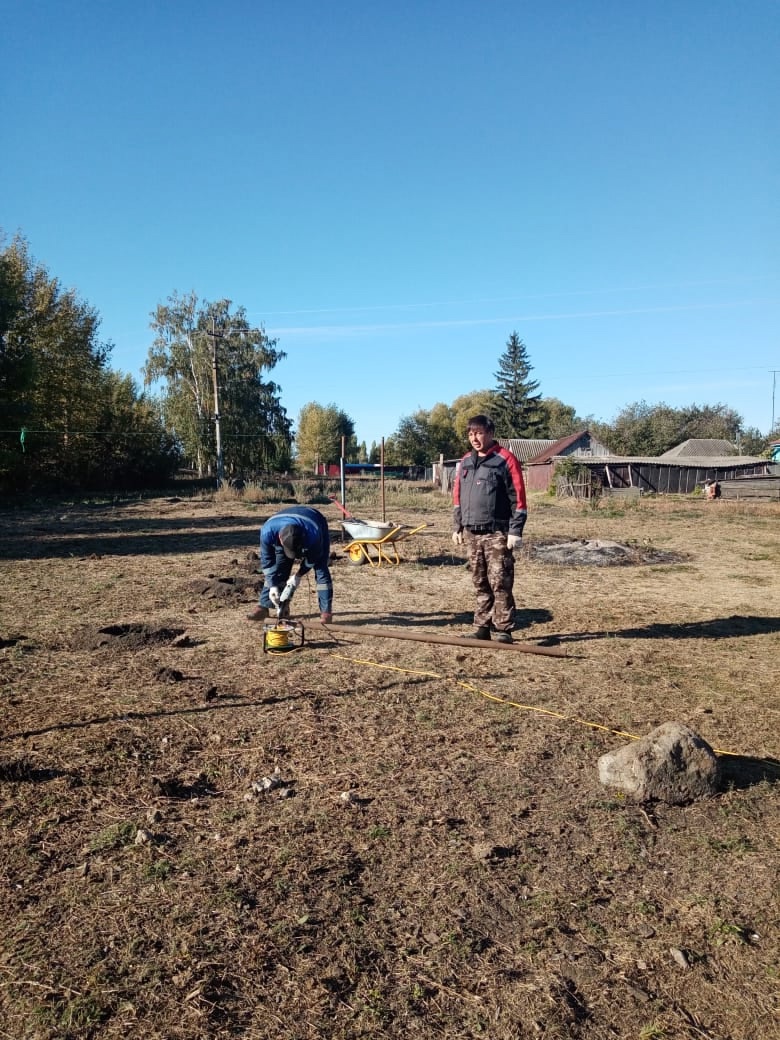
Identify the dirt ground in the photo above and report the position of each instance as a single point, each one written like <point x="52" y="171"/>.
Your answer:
<point x="375" y="837"/>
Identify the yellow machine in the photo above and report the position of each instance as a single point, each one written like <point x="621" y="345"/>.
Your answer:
<point x="281" y="635"/>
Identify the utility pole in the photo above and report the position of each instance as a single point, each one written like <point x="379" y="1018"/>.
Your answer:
<point x="213" y="336"/>
<point x="774" y="381"/>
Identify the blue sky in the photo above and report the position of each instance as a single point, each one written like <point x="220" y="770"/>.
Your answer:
<point x="392" y="189"/>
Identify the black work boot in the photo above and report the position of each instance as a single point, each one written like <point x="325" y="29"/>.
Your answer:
<point x="503" y="637"/>
<point x="483" y="632"/>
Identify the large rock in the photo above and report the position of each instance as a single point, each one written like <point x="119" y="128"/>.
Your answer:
<point x="671" y="764"/>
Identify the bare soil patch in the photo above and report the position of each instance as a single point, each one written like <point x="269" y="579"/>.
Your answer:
<point x="370" y="837"/>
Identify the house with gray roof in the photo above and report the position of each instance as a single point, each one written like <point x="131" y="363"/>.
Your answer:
<point x="671" y="475"/>
<point x="701" y="448"/>
<point x="681" y="470"/>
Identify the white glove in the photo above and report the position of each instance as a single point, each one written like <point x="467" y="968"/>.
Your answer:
<point x="513" y="541"/>
<point x="275" y="596"/>
<point x="289" y="589"/>
<point x="457" y="537"/>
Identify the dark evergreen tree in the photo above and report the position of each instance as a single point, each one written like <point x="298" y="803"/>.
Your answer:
<point x="67" y="420"/>
<point x="517" y="411"/>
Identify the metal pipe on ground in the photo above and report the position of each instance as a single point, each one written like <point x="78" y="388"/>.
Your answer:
<point x="425" y="637"/>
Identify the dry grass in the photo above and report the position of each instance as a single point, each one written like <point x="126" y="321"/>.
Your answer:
<point x="478" y="881"/>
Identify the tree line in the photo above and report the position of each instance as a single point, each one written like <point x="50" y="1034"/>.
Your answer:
<point x="67" y="420"/>
<point x="519" y="410"/>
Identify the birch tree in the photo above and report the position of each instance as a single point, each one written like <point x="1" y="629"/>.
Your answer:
<point x="206" y="354"/>
<point x="319" y="434"/>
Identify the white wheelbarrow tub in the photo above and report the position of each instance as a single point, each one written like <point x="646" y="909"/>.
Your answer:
<point x="369" y="530"/>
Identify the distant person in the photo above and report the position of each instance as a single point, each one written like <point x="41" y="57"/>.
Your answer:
<point x="489" y="514"/>
<point x="296" y="533"/>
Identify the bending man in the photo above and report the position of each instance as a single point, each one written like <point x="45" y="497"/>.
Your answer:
<point x="296" y="533"/>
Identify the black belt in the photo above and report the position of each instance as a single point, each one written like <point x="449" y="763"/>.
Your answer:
<point x="486" y="528"/>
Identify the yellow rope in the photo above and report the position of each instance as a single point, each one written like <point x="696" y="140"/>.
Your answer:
<point x="277" y="638"/>
<point x="511" y="704"/>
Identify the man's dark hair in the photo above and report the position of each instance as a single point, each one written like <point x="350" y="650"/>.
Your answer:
<point x="481" y="420"/>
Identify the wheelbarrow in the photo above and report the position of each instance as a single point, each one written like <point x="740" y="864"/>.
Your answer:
<point x="374" y="542"/>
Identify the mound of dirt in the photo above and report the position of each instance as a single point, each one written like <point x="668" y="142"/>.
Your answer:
<point x="231" y="588"/>
<point x="129" y="637"/>
<point x="596" y="552"/>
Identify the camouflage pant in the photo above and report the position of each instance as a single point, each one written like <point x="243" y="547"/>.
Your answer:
<point x="493" y="573"/>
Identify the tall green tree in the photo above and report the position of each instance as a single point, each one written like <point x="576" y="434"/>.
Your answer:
<point x="136" y="449"/>
<point x="478" y="402"/>
<point x="717" y="421"/>
<point x="644" y="429"/>
<point x="443" y="436"/>
<point x="319" y="435"/>
<point x="17" y="333"/>
<point x="410" y="444"/>
<point x="422" y="437"/>
<point x="57" y="393"/>
<point x="53" y="361"/>
<point x="558" y="419"/>
<point x="180" y="360"/>
<point x="205" y="355"/>
<point x="517" y="411"/>
<point x="753" y="442"/>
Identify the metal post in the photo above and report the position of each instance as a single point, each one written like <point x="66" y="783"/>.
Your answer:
<point x="217" y="430"/>
<point x="382" y="476"/>
<point x="342" y="474"/>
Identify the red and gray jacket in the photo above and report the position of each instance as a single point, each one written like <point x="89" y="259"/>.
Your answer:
<point x="489" y="493"/>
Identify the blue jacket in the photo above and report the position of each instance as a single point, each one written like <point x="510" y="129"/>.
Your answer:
<point x="277" y="567"/>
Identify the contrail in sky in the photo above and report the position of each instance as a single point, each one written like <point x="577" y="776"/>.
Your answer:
<point x="521" y="296"/>
<point x="343" y="330"/>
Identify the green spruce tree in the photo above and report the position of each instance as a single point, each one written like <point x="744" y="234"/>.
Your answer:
<point x="517" y="410"/>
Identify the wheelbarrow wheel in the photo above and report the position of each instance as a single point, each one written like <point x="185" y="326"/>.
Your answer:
<point x="355" y="554"/>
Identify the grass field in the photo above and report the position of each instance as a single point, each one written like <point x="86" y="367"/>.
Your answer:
<point x="373" y="837"/>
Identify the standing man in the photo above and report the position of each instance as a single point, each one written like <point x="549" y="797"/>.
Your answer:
<point x="296" y="533"/>
<point x="489" y="515"/>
